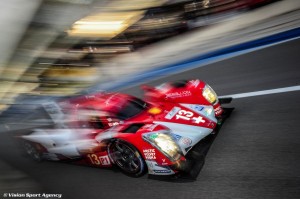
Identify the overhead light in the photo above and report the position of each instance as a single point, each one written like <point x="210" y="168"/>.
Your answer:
<point x="104" y="24"/>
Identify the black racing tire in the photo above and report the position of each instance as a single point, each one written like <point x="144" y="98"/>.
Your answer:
<point x="32" y="151"/>
<point x="127" y="158"/>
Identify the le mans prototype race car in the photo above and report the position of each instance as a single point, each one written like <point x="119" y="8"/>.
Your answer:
<point x="157" y="134"/>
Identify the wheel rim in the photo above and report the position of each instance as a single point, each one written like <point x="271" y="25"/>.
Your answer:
<point x="126" y="158"/>
<point x="31" y="151"/>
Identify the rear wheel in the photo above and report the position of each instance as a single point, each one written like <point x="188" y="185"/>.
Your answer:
<point x="31" y="150"/>
<point x="127" y="158"/>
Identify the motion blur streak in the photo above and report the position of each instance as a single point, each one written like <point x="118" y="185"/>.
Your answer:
<point x="10" y="35"/>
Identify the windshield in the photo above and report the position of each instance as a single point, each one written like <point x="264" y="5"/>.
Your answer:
<point x="132" y="108"/>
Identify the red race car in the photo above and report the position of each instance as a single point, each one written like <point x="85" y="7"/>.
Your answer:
<point x="157" y="134"/>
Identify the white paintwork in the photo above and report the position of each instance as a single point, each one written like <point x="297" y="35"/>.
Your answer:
<point x="194" y="133"/>
<point x="66" y="142"/>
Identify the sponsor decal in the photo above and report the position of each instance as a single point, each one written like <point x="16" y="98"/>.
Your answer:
<point x="176" y="137"/>
<point x="179" y="94"/>
<point x="162" y="171"/>
<point x="99" y="160"/>
<point x="172" y="113"/>
<point x="206" y="110"/>
<point x="195" y="83"/>
<point x="153" y="136"/>
<point x="154" y="168"/>
<point x="104" y="160"/>
<point x="198" y="108"/>
<point x="149" y="154"/>
<point x="218" y="110"/>
<point x="154" y="165"/>
<point x="186" y="141"/>
<point x="188" y="115"/>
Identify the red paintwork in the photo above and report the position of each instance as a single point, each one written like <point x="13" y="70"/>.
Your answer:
<point x="140" y="144"/>
<point x="190" y="94"/>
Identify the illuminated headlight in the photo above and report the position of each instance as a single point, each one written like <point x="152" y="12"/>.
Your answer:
<point x="209" y="94"/>
<point x="164" y="142"/>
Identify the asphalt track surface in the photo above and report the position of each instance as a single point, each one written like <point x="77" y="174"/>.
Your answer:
<point x="255" y="155"/>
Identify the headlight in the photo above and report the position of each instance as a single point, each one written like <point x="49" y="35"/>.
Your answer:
<point x="164" y="142"/>
<point x="209" y="94"/>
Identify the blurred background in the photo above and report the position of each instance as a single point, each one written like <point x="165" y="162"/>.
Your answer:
<point x="52" y="49"/>
<point x="59" y="48"/>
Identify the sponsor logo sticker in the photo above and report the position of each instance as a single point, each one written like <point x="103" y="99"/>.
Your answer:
<point x="198" y="108"/>
<point x="172" y="113"/>
<point x="162" y="171"/>
<point x="149" y="154"/>
<point x="218" y="110"/>
<point x="104" y="160"/>
<point x="195" y="83"/>
<point x="185" y="141"/>
<point x="176" y="137"/>
<point x="99" y="160"/>
<point x="179" y="94"/>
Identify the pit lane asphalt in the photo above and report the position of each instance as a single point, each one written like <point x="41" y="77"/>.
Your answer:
<point x="255" y="155"/>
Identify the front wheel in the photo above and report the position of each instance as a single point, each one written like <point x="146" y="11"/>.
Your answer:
<point x="32" y="151"/>
<point x="127" y="158"/>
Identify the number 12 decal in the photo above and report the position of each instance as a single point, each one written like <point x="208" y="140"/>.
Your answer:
<point x="188" y="115"/>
